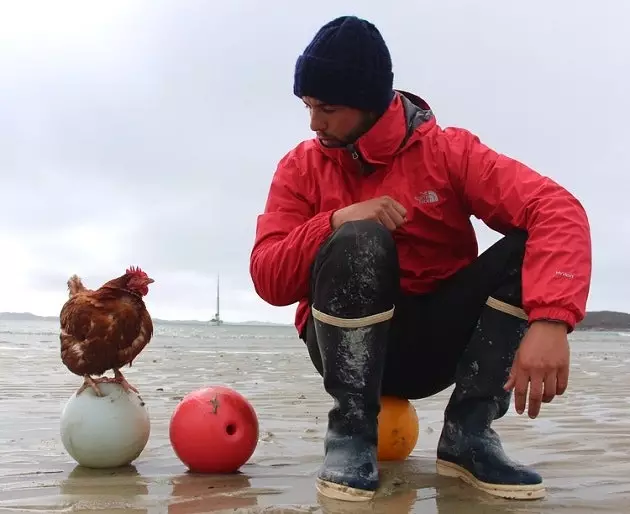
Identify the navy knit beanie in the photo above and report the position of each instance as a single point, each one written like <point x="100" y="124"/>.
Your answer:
<point x="346" y="63"/>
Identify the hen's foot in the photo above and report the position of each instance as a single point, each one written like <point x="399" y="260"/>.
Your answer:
<point x="88" y="381"/>
<point x="120" y="379"/>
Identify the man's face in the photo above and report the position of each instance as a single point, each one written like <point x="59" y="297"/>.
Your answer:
<point x="336" y="125"/>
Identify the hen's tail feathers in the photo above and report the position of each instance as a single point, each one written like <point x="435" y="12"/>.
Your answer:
<point x="75" y="285"/>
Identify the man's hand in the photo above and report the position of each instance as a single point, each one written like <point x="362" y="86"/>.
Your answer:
<point x="542" y="362"/>
<point x="383" y="210"/>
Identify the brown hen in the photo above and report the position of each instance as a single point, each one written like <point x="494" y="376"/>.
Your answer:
<point x="105" y="328"/>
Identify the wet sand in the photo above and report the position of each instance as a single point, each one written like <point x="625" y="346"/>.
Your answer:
<point x="580" y="443"/>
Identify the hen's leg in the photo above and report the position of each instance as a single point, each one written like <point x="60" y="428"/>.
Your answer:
<point x="88" y="381"/>
<point x="120" y="379"/>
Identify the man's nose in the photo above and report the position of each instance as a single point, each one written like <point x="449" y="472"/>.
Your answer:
<point x="317" y="123"/>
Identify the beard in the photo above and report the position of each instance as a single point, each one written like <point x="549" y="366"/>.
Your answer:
<point x="366" y="122"/>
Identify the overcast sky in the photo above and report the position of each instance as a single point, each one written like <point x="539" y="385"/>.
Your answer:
<point x="146" y="133"/>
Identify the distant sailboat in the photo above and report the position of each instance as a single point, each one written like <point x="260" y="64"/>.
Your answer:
<point x="217" y="318"/>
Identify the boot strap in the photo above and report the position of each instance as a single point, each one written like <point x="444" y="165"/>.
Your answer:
<point x="506" y="307"/>
<point x="352" y="323"/>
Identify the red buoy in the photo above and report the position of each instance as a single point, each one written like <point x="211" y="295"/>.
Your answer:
<point x="214" y="430"/>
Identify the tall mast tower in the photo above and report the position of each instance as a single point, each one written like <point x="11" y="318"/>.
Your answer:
<point x="217" y="317"/>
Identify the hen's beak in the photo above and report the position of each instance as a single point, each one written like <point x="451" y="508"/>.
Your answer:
<point x="150" y="281"/>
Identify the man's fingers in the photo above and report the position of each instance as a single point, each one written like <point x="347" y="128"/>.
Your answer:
<point x="398" y="207"/>
<point x="535" y="395"/>
<point x="562" y="380"/>
<point x="395" y="209"/>
<point x="549" y="391"/>
<point x="520" y="391"/>
<point x="395" y="216"/>
<point x="386" y="220"/>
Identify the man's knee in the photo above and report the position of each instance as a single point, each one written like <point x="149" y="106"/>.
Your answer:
<point x="510" y="288"/>
<point x="363" y="236"/>
<point x="358" y="264"/>
<point x="359" y="245"/>
<point x="516" y="240"/>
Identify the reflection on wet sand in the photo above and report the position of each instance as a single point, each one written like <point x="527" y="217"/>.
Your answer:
<point x="122" y="488"/>
<point x="580" y="444"/>
<point x="195" y="494"/>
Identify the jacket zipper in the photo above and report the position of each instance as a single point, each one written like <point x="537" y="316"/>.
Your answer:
<point x="356" y="156"/>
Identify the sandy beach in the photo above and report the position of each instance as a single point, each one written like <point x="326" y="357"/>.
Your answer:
<point x="580" y="443"/>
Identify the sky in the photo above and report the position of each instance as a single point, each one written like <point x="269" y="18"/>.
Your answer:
<point x="147" y="132"/>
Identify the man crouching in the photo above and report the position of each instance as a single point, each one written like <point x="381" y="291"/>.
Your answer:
<point x="367" y="226"/>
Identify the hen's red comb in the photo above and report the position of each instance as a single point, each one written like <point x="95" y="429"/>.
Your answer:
<point x="135" y="270"/>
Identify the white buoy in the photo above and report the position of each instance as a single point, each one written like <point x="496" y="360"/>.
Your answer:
<point x="105" y="432"/>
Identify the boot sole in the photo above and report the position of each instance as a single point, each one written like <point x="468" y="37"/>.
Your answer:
<point x="510" y="492"/>
<point x="343" y="492"/>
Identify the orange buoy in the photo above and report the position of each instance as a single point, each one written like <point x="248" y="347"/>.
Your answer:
<point x="214" y="430"/>
<point x="397" y="429"/>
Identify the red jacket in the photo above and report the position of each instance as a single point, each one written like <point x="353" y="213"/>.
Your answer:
<point x="442" y="177"/>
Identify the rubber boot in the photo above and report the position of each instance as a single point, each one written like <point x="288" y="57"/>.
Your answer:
<point x="353" y="357"/>
<point x="468" y="447"/>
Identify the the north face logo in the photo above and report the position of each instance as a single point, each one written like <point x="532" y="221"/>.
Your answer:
<point x="428" y="197"/>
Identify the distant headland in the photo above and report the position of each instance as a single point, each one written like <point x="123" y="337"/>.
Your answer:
<point x="594" y="320"/>
<point x="28" y="316"/>
<point x="605" y="320"/>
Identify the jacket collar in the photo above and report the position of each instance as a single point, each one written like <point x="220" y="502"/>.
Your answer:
<point x="393" y="131"/>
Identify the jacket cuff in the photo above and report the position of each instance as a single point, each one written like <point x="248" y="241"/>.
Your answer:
<point x="553" y="314"/>
<point x="324" y="224"/>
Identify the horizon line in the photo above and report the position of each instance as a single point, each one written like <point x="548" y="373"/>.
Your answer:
<point x="155" y="319"/>
<point x="27" y="314"/>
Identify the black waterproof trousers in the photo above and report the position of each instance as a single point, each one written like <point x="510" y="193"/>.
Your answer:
<point x="429" y="332"/>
